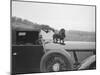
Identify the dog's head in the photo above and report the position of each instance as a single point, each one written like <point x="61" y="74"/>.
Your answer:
<point x="62" y="33"/>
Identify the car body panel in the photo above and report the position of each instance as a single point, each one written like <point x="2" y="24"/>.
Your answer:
<point x="72" y="45"/>
<point x="26" y="58"/>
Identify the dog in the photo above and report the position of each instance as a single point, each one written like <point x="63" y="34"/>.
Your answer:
<point x="59" y="36"/>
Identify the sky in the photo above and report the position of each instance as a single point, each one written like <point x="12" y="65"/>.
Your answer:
<point x="70" y="17"/>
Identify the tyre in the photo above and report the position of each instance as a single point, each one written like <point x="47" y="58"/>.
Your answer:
<point x="56" y="60"/>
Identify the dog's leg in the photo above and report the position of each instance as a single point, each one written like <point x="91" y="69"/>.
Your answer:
<point x="53" y="40"/>
<point x="56" y="40"/>
<point x="60" y="41"/>
<point x="63" y="41"/>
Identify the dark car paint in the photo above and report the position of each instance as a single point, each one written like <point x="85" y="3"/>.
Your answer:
<point x="26" y="59"/>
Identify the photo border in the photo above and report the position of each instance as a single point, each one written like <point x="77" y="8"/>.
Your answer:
<point x="59" y="3"/>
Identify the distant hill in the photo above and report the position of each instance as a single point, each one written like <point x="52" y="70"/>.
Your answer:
<point x="19" y="23"/>
<point x="80" y="36"/>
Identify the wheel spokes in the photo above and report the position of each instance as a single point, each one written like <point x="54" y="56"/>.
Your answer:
<point x="56" y="63"/>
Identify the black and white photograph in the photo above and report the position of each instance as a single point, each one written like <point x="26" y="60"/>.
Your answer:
<point x="52" y="37"/>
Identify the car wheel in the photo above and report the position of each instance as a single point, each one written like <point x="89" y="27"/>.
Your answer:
<point x="54" y="62"/>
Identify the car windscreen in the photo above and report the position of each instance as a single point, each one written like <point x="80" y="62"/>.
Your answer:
<point x="27" y="37"/>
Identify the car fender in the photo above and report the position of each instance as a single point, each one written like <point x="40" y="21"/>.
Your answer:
<point x="87" y="62"/>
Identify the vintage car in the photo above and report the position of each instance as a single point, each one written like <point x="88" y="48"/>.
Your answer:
<point x="32" y="55"/>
